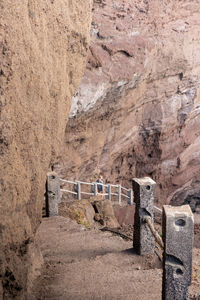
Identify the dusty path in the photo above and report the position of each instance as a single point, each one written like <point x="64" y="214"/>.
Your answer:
<point x="89" y="264"/>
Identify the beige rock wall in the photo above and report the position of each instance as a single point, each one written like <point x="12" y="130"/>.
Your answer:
<point x="43" y="50"/>
<point x="137" y="110"/>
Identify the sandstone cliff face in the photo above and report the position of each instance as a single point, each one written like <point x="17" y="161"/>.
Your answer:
<point x="137" y="110"/>
<point x="43" y="51"/>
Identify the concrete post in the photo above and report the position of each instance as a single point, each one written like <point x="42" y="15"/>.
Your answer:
<point x="130" y="194"/>
<point x="78" y="190"/>
<point x="178" y="230"/>
<point x="53" y="194"/>
<point x="119" y="194"/>
<point x="95" y="189"/>
<point x="144" y="190"/>
<point x="109" y="192"/>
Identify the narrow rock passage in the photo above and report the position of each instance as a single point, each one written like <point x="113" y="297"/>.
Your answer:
<point x="90" y="264"/>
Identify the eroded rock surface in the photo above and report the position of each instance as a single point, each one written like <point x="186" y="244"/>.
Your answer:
<point x="137" y="110"/>
<point x="43" y="51"/>
<point x="105" y="213"/>
<point x="81" y="211"/>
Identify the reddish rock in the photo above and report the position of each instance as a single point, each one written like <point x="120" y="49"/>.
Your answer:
<point x="124" y="214"/>
<point x="137" y="110"/>
<point x="105" y="213"/>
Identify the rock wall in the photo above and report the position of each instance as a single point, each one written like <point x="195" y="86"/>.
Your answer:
<point x="137" y="110"/>
<point x="43" y="51"/>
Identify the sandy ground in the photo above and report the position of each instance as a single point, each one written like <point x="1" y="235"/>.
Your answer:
<point x="90" y="264"/>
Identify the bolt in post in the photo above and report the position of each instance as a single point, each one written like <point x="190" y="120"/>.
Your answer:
<point x="52" y="194"/>
<point x="144" y="190"/>
<point x="178" y="231"/>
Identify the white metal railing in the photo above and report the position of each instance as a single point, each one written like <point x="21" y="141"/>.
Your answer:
<point x="67" y="191"/>
<point x="158" y="209"/>
<point x="108" y="187"/>
<point x="108" y="190"/>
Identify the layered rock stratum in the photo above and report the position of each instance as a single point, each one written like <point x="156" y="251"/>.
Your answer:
<point x="43" y="52"/>
<point x="137" y="110"/>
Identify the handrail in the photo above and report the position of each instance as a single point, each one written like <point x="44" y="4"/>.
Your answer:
<point x="67" y="181"/>
<point x="158" y="209"/>
<point x="125" y="195"/>
<point x="85" y="193"/>
<point x="123" y="188"/>
<point x="86" y="183"/>
<point x="99" y="183"/>
<point x="62" y="190"/>
<point x="114" y="185"/>
<point x="94" y="190"/>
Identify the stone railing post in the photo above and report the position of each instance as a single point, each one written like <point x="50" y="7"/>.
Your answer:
<point x="108" y="190"/>
<point x="95" y="189"/>
<point x="144" y="190"/>
<point x="119" y="188"/>
<point x="178" y="228"/>
<point x="78" y="190"/>
<point x="52" y="194"/>
<point x="130" y="194"/>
